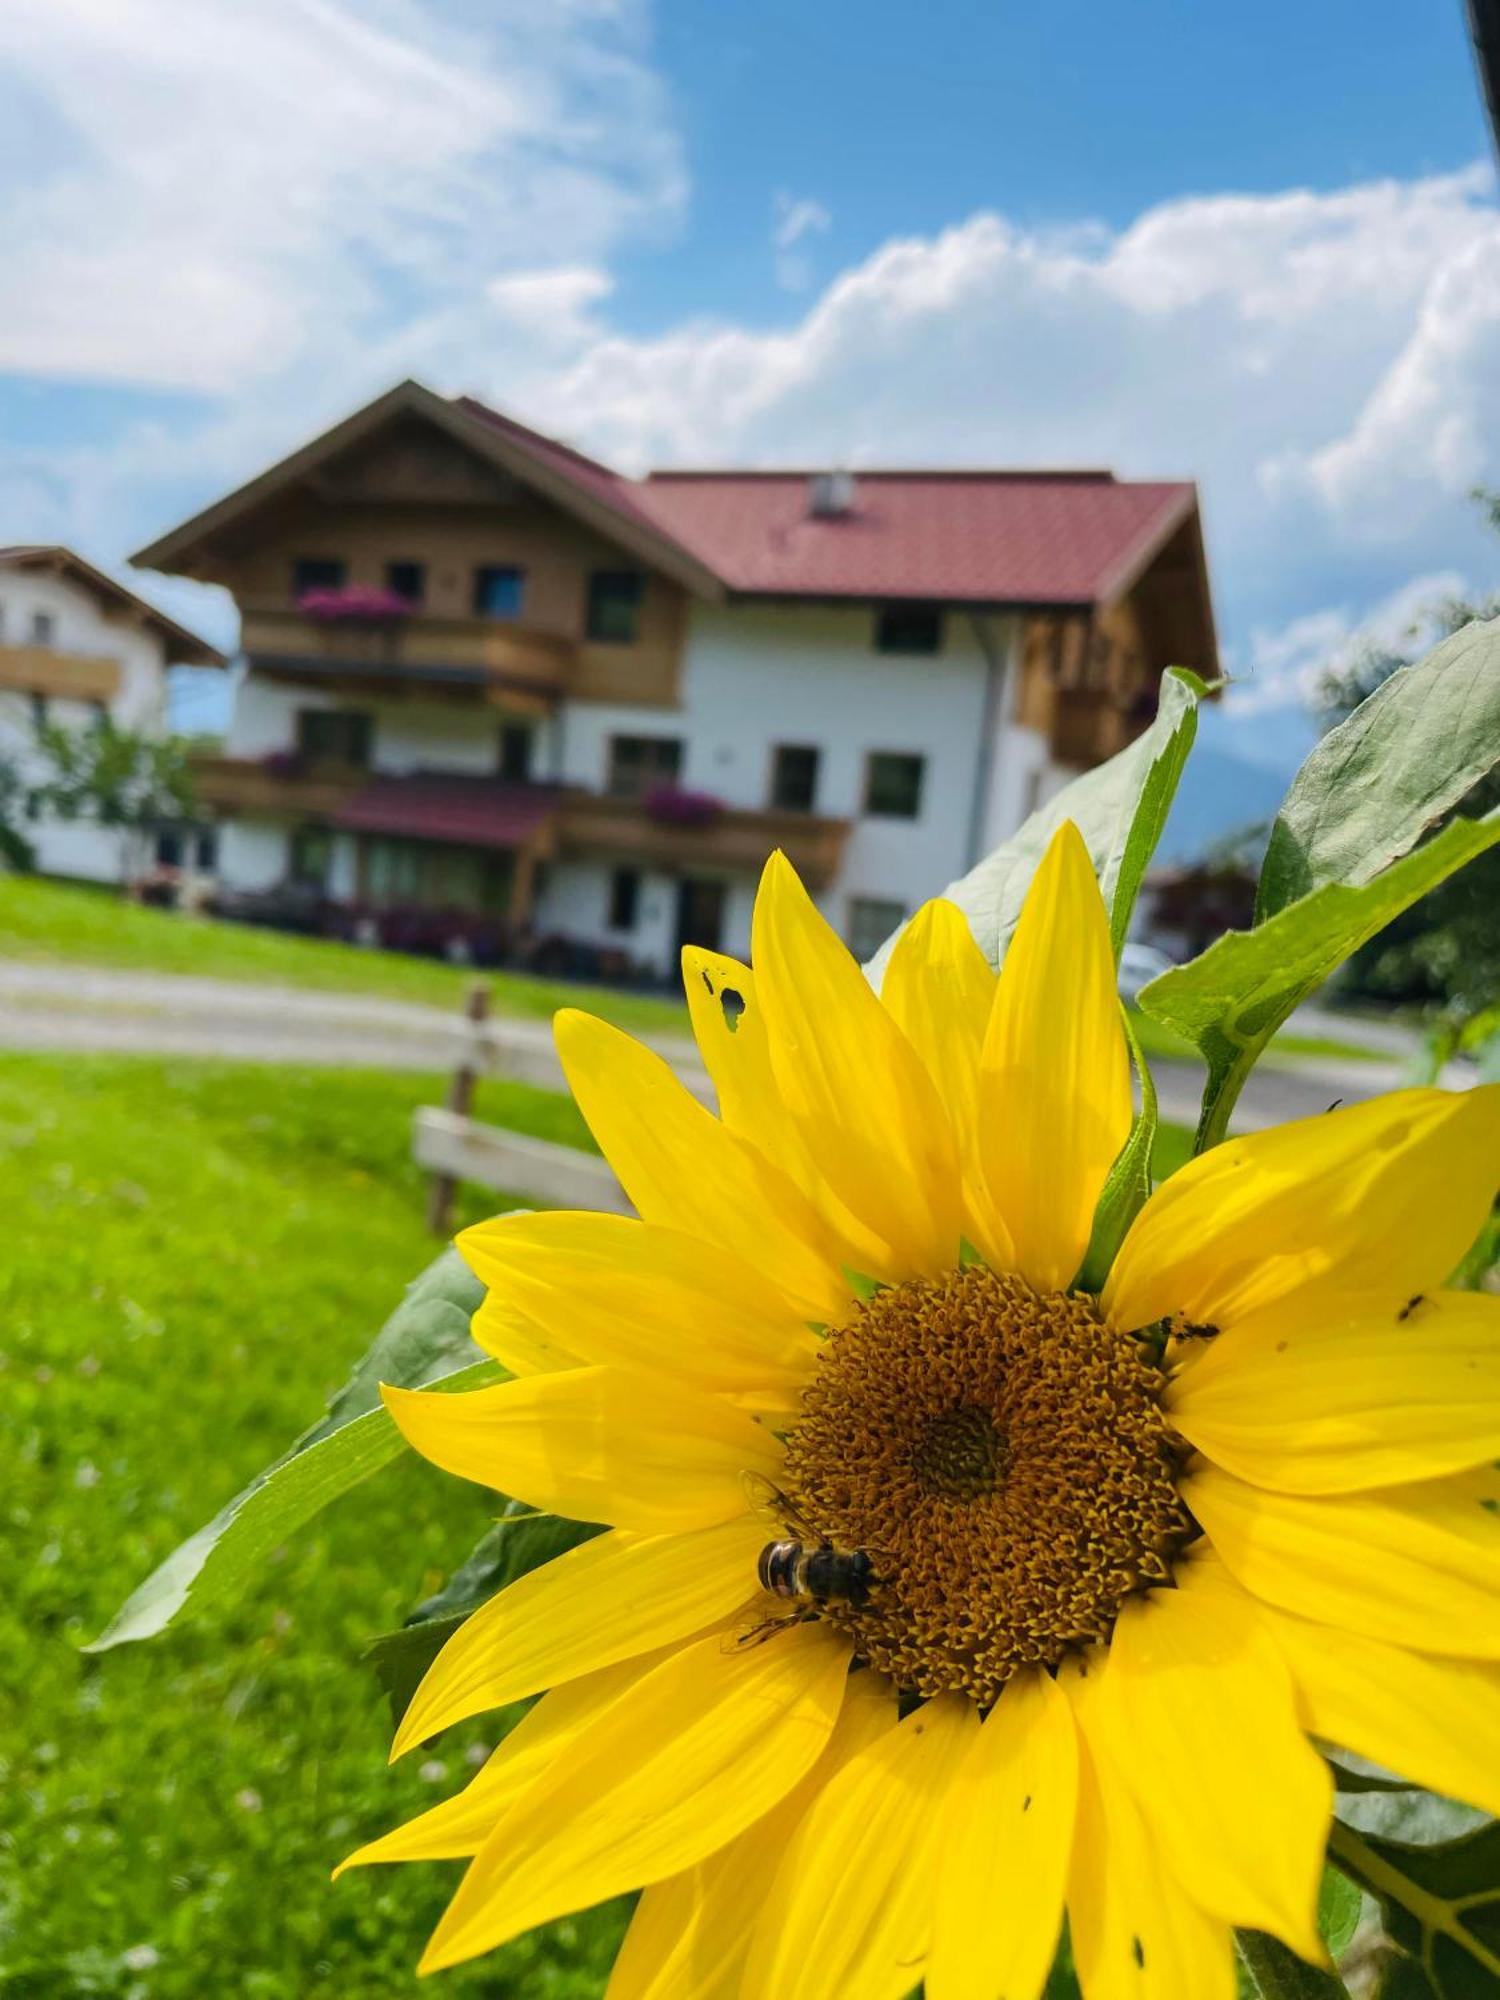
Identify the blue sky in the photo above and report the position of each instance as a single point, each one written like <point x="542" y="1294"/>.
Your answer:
<point x="1256" y="246"/>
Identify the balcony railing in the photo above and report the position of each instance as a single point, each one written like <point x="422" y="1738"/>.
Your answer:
<point x="465" y="651"/>
<point x="734" y="840"/>
<point x="67" y="676"/>
<point x="276" y="784"/>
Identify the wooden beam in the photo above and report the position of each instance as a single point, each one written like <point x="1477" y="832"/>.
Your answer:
<point x="562" y="1176"/>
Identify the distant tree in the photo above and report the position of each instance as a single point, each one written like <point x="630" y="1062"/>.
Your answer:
<point x="118" y="779"/>
<point x="1445" y="950"/>
<point x="15" y="848"/>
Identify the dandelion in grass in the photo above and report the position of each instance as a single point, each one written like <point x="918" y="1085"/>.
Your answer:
<point x="1061" y="1585"/>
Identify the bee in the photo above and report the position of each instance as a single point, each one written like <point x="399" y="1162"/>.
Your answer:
<point x="805" y="1569"/>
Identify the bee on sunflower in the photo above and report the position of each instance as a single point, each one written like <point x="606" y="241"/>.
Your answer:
<point x="939" y="1596"/>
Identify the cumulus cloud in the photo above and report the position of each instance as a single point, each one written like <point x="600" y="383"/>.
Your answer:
<point x="795" y="221"/>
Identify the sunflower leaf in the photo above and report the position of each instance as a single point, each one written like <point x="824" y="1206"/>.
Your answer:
<point x="1374" y="785"/>
<point x="1232" y="998"/>
<point x="1128" y="1186"/>
<point x="425" y="1343"/>
<point x="1440" y="1902"/>
<point x="1120" y="808"/>
<point x="1277" y="1973"/>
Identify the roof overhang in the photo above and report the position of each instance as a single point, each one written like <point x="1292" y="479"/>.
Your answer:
<point x="52" y="558"/>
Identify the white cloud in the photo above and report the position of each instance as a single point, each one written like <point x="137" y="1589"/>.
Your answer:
<point x="555" y="307"/>
<point x="796" y="220"/>
<point x="218" y="196"/>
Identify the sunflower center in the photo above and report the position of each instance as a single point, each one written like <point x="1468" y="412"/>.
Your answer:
<point x="1001" y="1457"/>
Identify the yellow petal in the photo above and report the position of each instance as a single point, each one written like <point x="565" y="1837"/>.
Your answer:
<point x="1310" y="1401"/>
<point x="939" y="990"/>
<point x="460" y="1826"/>
<point x="1434" y="1721"/>
<point x="620" y="1293"/>
<point x="517" y="1341"/>
<point x="729" y="1025"/>
<point x="612" y="1597"/>
<point x="1054" y="1089"/>
<point x="1361" y="1207"/>
<point x="1415" y="1565"/>
<point x="684" y="1761"/>
<point x="1136" y="1934"/>
<point x="1198" y="1714"/>
<point x="851" y="1909"/>
<point x="690" y="1934"/>
<point x="683" y="1169"/>
<point x="1004" y="1864"/>
<point x="853" y="1085"/>
<point x="594" y="1444"/>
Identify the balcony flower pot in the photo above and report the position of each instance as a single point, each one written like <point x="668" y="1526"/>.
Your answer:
<point x="672" y="805"/>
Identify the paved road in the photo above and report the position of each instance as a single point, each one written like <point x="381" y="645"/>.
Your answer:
<point x="86" y="1007"/>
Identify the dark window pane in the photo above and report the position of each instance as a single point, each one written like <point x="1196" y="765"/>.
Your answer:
<point x="636" y="763"/>
<point x="624" y="898"/>
<point x="312" y="850"/>
<point x="871" y="921"/>
<point x="407" y="580"/>
<point x="794" y="777"/>
<point x="318" y="573"/>
<point x="499" y="590"/>
<point x="39" y="716"/>
<point x="335" y="736"/>
<point x="909" y="628"/>
<point x="893" y="785"/>
<point x="614" y="607"/>
<point x="208" y="849"/>
<point x="515" y="751"/>
<point x="169" y="848"/>
<point x="43" y="628"/>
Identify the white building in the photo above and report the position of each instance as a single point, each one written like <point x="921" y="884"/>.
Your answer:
<point x="74" y="646"/>
<point x="497" y="691"/>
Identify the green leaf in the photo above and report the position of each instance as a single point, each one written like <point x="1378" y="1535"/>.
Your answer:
<point x="520" y="1541"/>
<point x="1120" y="808"/>
<point x="1375" y="784"/>
<point x="1278" y="1974"/>
<point x="1441" y="1903"/>
<point x="1339" y="1904"/>
<point x="1347" y="1780"/>
<point x="1232" y="998"/>
<point x="424" y="1343"/>
<point x="1128" y="1186"/>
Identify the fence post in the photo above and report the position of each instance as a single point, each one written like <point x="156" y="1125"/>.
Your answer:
<point x="460" y="1099"/>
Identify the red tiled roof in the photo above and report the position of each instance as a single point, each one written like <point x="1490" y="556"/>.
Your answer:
<point x="983" y="537"/>
<point x="474" y="812"/>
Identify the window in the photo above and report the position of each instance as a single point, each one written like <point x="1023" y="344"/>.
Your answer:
<point x="499" y="590"/>
<point x="614" y="607"/>
<point x="624" y="898"/>
<point x="312" y="851"/>
<point x="893" y="785"/>
<point x="871" y="921"/>
<point x="169" y="848"/>
<point x="39" y="713"/>
<point x="206" y="856"/>
<point x="407" y="580"/>
<point x="335" y="736"/>
<point x="43" y="628"/>
<point x="636" y="763"/>
<point x="98" y="714"/>
<point x="515" y="752"/>
<point x="908" y="628"/>
<point x="318" y="573"/>
<point x="794" y="777"/>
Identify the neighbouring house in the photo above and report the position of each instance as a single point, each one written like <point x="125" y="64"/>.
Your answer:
<point x="496" y="690"/>
<point x="76" y="646"/>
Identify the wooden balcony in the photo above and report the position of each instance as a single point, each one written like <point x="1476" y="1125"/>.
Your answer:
<point x="45" y="670"/>
<point x="475" y="658"/>
<point x="734" y="841"/>
<point x="1088" y="728"/>
<point x="274" y="786"/>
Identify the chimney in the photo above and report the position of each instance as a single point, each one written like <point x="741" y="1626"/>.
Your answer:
<point x="830" y="495"/>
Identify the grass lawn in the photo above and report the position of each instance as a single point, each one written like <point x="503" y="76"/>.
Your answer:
<point x="196" y="1253"/>
<point x="64" y="922"/>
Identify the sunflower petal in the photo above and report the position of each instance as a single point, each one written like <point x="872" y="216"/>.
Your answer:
<point x="1303" y="1401"/>
<point x="612" y="1597"/>
<point x="1364" y="1207"/>
<point x="1436" y="1722"/>
<point x="1010" y="1823"/>
<point x="690" y="1934"/>
<point x="1417" y="1566"/>
<point x="1054" y="1089"/>
<point x="684" y="1761"/>
<point x="517" y="1341"/>
<point x="939" y="990"/>
<point x="852" y="1904"/>
<point x="1198" y="1714"/>
<point x="594" y="1444"/>
<point x="683" y="1169"/>
<point x="460" y="1826"/>
<point x="620" y="1293"/>
<point x="1136" y="1935"/>
<point x="853" y="1084"/>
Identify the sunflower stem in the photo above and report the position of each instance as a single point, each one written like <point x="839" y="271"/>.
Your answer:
<point x="1280" y="1975"/>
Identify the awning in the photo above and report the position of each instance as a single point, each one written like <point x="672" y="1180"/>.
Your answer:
<point x="464" y="812"/>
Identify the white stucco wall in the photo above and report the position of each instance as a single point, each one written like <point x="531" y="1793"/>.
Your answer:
<point x="78" y="626"/>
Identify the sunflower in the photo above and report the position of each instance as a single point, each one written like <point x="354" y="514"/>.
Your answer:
<point x="1125" y="1554"/>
